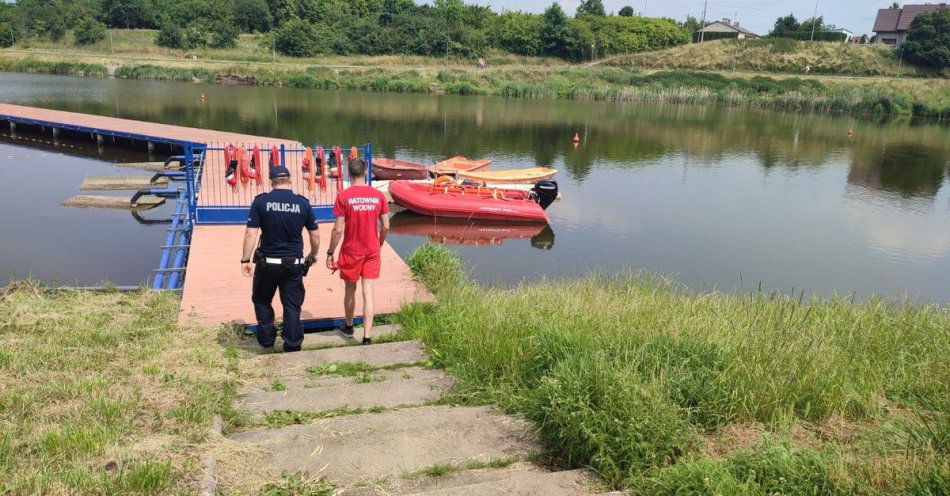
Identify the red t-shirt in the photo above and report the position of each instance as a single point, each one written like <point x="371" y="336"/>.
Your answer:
<point x="361" y="207"/>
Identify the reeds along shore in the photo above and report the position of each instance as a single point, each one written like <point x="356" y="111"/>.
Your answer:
<point x="574" y="83"/>
<point x="666" y="391"/>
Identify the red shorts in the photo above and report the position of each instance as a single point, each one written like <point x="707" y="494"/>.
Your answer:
<point x="353" y="267"/>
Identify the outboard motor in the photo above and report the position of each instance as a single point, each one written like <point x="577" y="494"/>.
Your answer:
<point x="546" y="192"/>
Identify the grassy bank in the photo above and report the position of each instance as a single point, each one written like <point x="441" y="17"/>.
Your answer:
<point x="132" y="54"/>
<point x="779" y="55"/>
<point x="103" y="393"/>
<point x="664" y="391"/>
<point x="637" y="78"/>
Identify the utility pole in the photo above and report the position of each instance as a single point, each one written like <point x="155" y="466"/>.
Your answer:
<point x="814" y="20"/>
<point x="702" y="29"/>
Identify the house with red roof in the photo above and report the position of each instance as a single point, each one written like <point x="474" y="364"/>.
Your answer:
<point x="891" y="25"/>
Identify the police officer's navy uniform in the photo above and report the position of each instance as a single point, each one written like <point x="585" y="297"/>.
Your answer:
<point x="281" y="216"/>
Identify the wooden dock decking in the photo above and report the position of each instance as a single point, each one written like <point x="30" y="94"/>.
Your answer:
<point x="215" y="292"/>
<point x="163" y="131"/>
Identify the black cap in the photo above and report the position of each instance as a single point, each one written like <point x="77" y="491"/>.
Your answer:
<point x="279" y="172"/>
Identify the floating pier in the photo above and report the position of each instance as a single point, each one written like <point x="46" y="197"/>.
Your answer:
<point x="121" y="183"/>
<point x="112" y="201"/>
<point x="203" y="243"/>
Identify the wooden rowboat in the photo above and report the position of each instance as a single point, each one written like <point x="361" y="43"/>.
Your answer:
<point x="518" y="176"/>
<point x="454" y="165"/>
<point x="388" y="169"/>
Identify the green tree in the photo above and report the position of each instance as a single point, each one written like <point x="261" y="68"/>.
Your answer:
<point x="202" y="23"/>
<point x="626" y="12"/>
<point x="171" y="35"/>
<point x="297" y="38"/>
<point x="89" y="31"/>
<point x="785" y="26"/>
<point x="555" y="35"/>
<point x="252" y="15"/>
<point x="7" y="35"/>
<point x="928" y="40"/>
<point x="391" y="9"/>
<point x="691" y="25"/>
<point x="807" y="24"/>
<point x="590" y="7"/>
<point x="127" y="13"/>
<point x="517" y="32"/>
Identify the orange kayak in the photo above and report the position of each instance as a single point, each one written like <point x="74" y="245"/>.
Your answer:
<point x="518" y="176"/>
<point x="455" y="165"/>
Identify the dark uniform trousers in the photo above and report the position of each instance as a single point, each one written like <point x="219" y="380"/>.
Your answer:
<point x="267" y="279"/>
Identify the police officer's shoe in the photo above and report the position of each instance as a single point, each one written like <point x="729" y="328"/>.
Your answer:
<point x="345" y="330"/>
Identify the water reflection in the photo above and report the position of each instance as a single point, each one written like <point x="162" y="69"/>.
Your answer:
<point x="470" y="232"/>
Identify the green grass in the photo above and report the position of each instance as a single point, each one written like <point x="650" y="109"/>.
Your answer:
<point x="777" y="56"/>
<point x="298" y="485"/>
<point x="640" y="379"/>
<point x="354" y="369"/>
<point x="103" y="393"/>
<point x="282" y="418"/>
<point x="63" y="68"/>
<point x="444" y="469"/>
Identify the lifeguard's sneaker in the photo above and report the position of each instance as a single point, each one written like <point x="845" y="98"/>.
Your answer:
<point x="345" y="330"/>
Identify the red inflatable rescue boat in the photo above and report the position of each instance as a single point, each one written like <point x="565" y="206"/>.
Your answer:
<point x="446" y="198"/>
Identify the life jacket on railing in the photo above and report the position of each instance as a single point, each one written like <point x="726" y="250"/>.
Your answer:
<point x="307" y="166"/>
<point x="257" y="165"/>
<point x="230" y="164"/>
<point x="322" y="164"/>
<point x="242" y="165"/>
<point x="338" y="158"/>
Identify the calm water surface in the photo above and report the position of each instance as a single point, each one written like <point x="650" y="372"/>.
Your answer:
<point x="725" y="198"/>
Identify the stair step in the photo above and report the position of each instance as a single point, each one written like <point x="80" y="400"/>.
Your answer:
<point x="400" y="387"/>
<point x="378" y="355"/>
<point x="327" y="338"/>
<point x="368" y="447"/>
<point x="403" y="486"/>
<point x="566" y="483"/>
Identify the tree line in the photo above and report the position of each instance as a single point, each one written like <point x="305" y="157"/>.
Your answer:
<point x="347" y="27"/>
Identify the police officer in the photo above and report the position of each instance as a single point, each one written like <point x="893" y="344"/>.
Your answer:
<point x="280" y="217"/>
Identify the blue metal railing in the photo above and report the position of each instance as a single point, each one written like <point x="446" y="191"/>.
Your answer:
<point x="171" y="266"/>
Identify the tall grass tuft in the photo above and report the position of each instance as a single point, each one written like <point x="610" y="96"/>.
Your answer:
<point x="62" y="68"/>
<point x="630" y="374"/>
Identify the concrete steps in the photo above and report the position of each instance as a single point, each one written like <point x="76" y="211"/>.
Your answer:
<point x="388" y="389"/>
<point x="367" y="447"/>
<point x="408" y="447"/>
<point x="325" y="339"/>
<point x="380" y="355"/>
<point x="566" y="483"/>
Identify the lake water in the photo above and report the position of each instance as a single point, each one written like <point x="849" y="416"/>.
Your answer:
<point x="716" y="197"/>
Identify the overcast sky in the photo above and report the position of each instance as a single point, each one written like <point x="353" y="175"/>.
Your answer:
<point x="757" y="15"/>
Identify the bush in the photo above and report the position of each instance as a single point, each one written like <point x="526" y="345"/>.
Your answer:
<point x="928" y="40"/>
<point x="171" y="36"/>
<point x="297" y="38"/>
<point x="713" y="35"/>
<point x="7" y="36"/>
<point x="89" y="31"/>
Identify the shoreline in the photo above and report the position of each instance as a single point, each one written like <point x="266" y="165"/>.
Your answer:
<point x="859" y="96"/>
